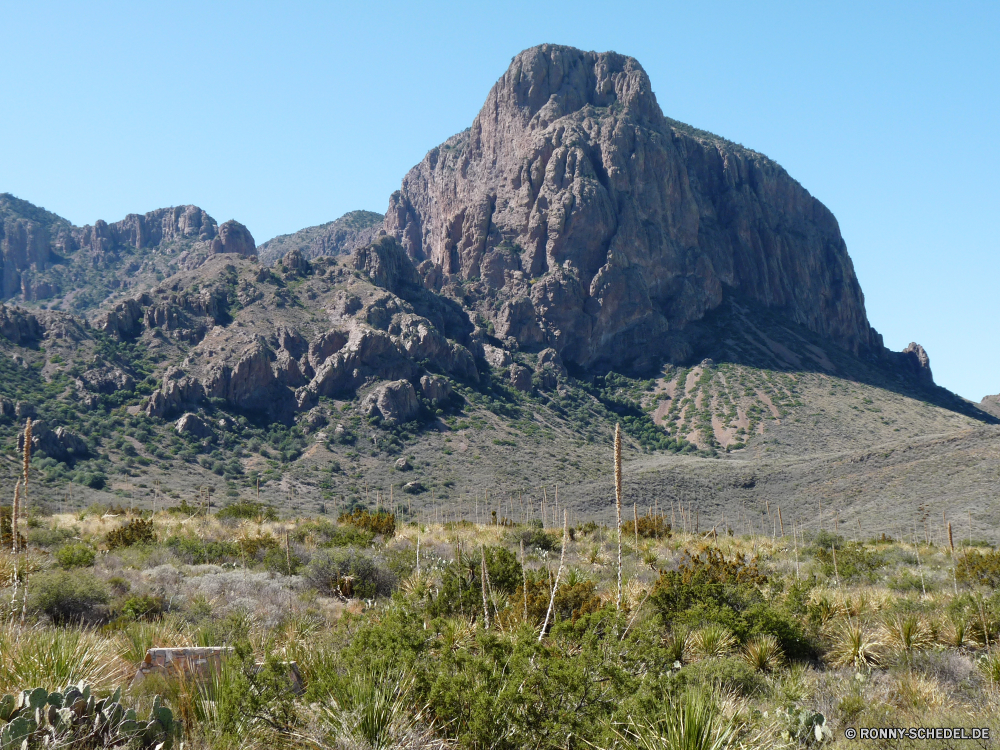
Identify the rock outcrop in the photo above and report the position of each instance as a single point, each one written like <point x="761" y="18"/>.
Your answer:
<point x="394" y="403"/>
<point x="60" y="443"/>
<point x="435" y="389"/>
<point x="574" y="215"/>
<point x="914" y="360"/>
<point x="19" y="327"/>
<point x="106" y="380"/>
<point x="192" y="424"/>
<point x="352" y="230"/>
<point x="234" y="238"/>
<point x="991" y="405"/>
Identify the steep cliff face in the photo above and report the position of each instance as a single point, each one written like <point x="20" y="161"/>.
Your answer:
<point x="574" y="215"/>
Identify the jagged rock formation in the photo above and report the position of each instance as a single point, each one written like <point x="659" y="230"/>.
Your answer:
<point x="43" y="256"/>
<point x="60" y="444"/>
<point x="914" y="359"/>
<point x="574" y="215"/>
<point x="340" y="237"/>
<point x="256" y="346"/>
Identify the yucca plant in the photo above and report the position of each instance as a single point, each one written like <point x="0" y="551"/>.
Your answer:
<point x="711" y="640"/>
<point x="906" y="633"/>
<point x="692" y="721"/>
<point x="54" y="657"/>
<point x="677" y="646"/>
<point x="855" y="644"/>
<point x="955" y="632"/>
<point x="763" y="653"/>
<point x="136" y="638"/>
<point x="371" y="708"/>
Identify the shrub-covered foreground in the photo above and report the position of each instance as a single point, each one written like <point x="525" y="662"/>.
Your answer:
<point x="728" y="642"/>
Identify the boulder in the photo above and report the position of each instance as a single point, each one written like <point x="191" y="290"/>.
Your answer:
<point x="106" y="380"/>
<point x="402" y="464"/>
<point x="394" y="403"/>
<point x="234" y="238"/>
<point x="19" y="327"/>
<point x="23" y="410"/>
<point x="192" y="424"/>
<point x="520" y="378"/>
<point x="60" y="444"/>
<point x="496" y="356"/>
<point x="435" y="389"/>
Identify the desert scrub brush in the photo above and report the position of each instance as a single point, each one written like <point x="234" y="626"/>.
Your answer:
<point x="763" y="653"/>
<point x="854" y="644"/>
<point x="711" y="640"/>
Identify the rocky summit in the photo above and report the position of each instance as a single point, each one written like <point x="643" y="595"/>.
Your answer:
<point x="574" y="215"/>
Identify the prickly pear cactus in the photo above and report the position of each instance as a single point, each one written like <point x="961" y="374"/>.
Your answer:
<point x="37" y="718"/>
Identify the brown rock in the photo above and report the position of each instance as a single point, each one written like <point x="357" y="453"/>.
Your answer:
<point x="192" y="424"/>
<point x="106" y="380"/>
<point x="19" y="327"/>
<point x="435" y="389"/>
<point x="394" y="403"/>
<point x="234" y="238"/>
<point x="914" y="360"/>
<point x="496" y="356"/>
<point x="520" y="378"/>
<point x="991" y="405"/>
<point x="629" y="224"/>
<point x="352" y="230"/>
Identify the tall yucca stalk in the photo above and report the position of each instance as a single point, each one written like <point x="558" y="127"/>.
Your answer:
<point x="618" y="506"/>
<point x="555" y="586"/>
<point x="24" y="504"/>
<point x="15" y="509"/>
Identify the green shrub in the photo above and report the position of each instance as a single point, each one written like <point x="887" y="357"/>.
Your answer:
<point x="380" y="522"/>
<point x="650" y="527"/>
<point x="77" y="555"/>
<point x="67" y="596"/>
<point x="248" y="510"/>
<point x="141" y="607"/>
<point x="197" y="551"/>
<point x="46" y="537"/>
<point x="726" y="673"/>
<point x="461" y="589"/>
<point x="349" y="572"/>
<point x="136" y="531"/>
<point x="709" y="588"/>
<point x="978" y="567"/>
<point x="855" y="562"/>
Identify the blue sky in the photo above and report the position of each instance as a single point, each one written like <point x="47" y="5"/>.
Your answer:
<point x="287" y="115"/>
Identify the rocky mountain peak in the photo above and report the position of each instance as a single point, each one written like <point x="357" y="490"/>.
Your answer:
<point x="551" y="81"/>
<point x="573" y="215"/>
